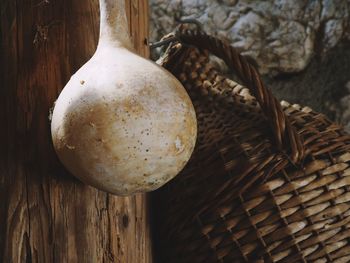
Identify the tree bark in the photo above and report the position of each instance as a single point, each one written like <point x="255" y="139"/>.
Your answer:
<point x="45" y="214"/>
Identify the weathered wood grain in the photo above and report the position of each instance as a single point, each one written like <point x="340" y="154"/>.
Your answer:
<point x="45" y="214"/>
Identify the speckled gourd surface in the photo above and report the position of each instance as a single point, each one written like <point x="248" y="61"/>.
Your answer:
<point x="122" y="123"/>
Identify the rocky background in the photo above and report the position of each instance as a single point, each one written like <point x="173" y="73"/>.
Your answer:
<point x="302" y="47"/>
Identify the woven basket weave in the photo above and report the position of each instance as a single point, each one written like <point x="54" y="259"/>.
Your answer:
<point x="268" y="181"/>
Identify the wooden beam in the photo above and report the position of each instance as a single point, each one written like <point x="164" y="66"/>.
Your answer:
<point x="46" y="215"/>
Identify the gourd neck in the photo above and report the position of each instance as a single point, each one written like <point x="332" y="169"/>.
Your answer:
<point x="114" y="28"/>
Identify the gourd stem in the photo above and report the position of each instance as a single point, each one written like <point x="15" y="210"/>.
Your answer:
<point x="113" y="24"/>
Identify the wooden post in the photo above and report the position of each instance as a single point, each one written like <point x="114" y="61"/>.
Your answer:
<point x="45" y="214"/>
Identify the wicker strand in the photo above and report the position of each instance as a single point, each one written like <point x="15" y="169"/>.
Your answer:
<point x="239" y="199"/>
<point x="285" y="136"/>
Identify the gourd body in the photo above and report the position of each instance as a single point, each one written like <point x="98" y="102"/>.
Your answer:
<point x="123" y="124"/>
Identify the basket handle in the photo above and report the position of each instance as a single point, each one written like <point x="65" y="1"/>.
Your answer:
<point x="285" y="135"/>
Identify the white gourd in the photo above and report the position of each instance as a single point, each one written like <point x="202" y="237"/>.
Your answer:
<point x="122" y="123"/>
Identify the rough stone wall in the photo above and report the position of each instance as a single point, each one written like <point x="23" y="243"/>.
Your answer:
<point x="301" y="46"/>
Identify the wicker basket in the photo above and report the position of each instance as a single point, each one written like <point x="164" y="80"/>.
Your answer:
<point x="268" y="181"/>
